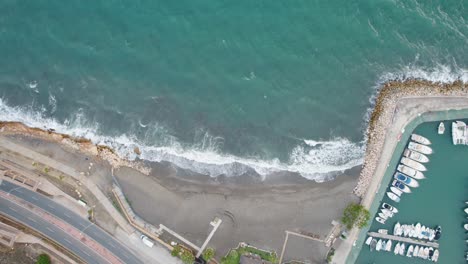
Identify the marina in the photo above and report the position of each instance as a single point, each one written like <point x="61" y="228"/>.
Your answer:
<point x="445" y="177"/>
<point x="406" y="240"/>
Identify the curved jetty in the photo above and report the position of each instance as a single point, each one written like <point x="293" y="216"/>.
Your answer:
<point x="387" y="117"/>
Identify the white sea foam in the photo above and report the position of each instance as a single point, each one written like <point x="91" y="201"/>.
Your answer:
<point x="312" y="159"/>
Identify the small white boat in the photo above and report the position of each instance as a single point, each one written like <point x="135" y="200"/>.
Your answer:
<point x="441" y="128"/>
<point x="420" y="148"/>
<point x="387" y="212"/>
<point x="393" y="196"/>
<point x="413" y="164"/>
<point x="416" y="251"/>
<point x="369" y="239"/>
<point x="421" y="252"/>
<point x="426" y="253"/>
<point x="420" y="139"/>
<point x="400" y="187"/>
<point x="378" y="247"/>
<point x="415" y="174"/>
<point x="396" y="251"/>
<point x="466" y="210"/>
<point x="402" y="249"/>
<point x="406" y="180"/>
<point x="396" y="191"/>
<point x="409" y="254"/>
<point x="466" y="227"/>
<point x="416" y="156"/>
<point x="389" y="207"/>
<point x="382" y="231"/>
<point x="396" y="228"/>
<point x="435" y="257"/>
<point x="380" y="220"/>
<point x="383" y="216"/>
<point x="388" y="246"/>
<point x="417" y="230"/>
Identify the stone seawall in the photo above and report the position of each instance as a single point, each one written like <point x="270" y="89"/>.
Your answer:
<point x="382" y="116"/>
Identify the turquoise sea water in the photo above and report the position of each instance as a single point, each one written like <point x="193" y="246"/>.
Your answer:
<point x="439" y="200"/>
<point x="222" y="87"/>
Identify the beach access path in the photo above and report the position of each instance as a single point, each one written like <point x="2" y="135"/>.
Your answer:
<point x="407" y="109"/>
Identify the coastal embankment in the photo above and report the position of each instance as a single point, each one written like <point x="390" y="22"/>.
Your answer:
<point x="383" y="117"/>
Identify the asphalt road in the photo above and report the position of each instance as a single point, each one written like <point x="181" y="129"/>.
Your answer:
<point x="35" y="222"/>
<point x="84" y="225"/>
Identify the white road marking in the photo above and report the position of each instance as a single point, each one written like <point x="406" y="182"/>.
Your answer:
<point x="87" y="253"/>
<point x="34" y="198"/>
<point x="50" y="206"/>
<point x="67" y="215"/>
<point x="50" y="230"/>
<point x="112" y="245"/>
<point x="32" y="219"/>
<point x="68" y="241"/>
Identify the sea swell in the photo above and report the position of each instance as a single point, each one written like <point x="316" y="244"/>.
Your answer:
<point x="314" y="160"/>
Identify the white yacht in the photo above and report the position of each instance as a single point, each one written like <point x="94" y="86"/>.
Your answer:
<point x="369" y="239"/>
<point x="409" y="254"/>
<point x="389" y="207"/>
<point x="396" y="251"/>
<point x="413" y="164"/>
<point x="420" y="139"/>
<point x="416" y="156"/>
<point x="466" y="210"/>
<point x="393" y="196"/>
<point x="466" y="227"/>
<point x="387" y="212"/>
<point x="406" y="180"/>
<point x="459" y="133"/>
<point x="388" y="246"/>
<point x="441" y="128"/>
<point x="380" y="220"/>
<point x="416" y="251"/>
<point x="420" y="148"/>
<point x="435" y="257"/>
<point x="396" y="191"/>
<point x="402" y="249"/>
<point x="411" y="172"/>
<point x="378" y="247"/>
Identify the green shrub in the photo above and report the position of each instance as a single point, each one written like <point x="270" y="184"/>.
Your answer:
<point x="232" y="258"/>
<point x="187" y="257"/>
<point x="43" y="259"/>
<point x="208" y="254"/>
<point x="355" y="215"/>
<point x="176" y="251"/>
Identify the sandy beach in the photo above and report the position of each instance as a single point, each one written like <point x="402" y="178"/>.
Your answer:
<point x="253" y="211"/>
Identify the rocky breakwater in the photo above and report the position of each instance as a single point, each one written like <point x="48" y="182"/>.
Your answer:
<point x="82" y="145"/>
<point x="382" y="116"/>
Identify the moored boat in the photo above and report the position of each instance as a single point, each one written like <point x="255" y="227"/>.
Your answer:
<point x="396" y="229"/>
<point x="441" y="128"/>
<point x="393" y="196"/>
<point x="420" y="139"/>
<point x="368" y="240"/>
<point x="388" y="246"/>
<point x="466" y="210"/>
<point x="387" y="212"/>
<point x="415" y="174"/>
<point x="466" y="227"/>
<point x="396" y="191"/>
<point x="383" y="216"/>
<point x="419" y="157"/>
<point x="421" y="252"/>
<point x="396" y="251"/>
<point x="402" y="249"/>
<point x="380" y="220"/>
<point x="378" y="247"/>
<point x="400" y="186"/>
<point x="382" y="231"/>
<point x="373" y="244"/>
<point x="389" y="207"/>
<point x="416" y="251"/>
<point x="413" y="164"/>
<point x="420" y="148"/>
<point x="409" y="254"/>
<point x="435" y="257"/>
<point x="406" y="180"/>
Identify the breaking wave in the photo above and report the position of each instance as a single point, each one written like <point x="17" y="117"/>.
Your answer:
<point x="314" y="160"/>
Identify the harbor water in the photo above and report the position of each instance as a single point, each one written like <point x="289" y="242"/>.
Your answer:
<point x="439" y="200"/>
